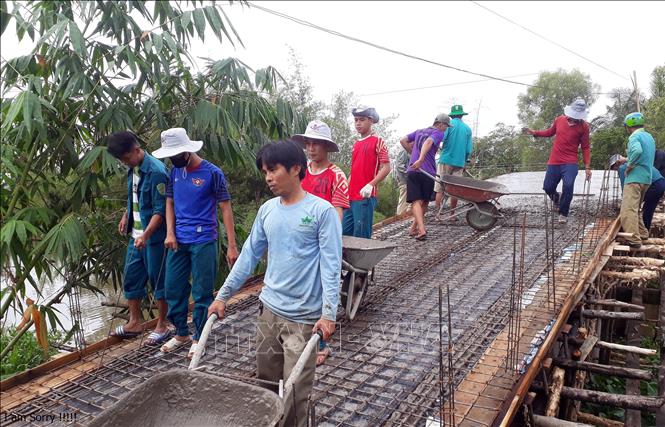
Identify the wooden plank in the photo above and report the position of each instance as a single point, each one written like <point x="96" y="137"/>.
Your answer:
<point x="615" y="303"/>
<point x="603" y="314"/>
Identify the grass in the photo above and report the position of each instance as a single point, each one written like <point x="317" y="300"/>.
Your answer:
<point x="26" y="353"/>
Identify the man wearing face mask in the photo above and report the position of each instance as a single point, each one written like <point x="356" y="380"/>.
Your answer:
<point x="195" y="188"/>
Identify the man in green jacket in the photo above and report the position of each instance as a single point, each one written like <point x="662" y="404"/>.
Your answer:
<point x="641" y="151"/>
<point x="144" y="222"/>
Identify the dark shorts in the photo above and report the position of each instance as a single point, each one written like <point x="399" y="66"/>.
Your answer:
<point x="418" y="187"/>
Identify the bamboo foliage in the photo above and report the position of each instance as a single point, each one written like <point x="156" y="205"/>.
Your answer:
<point x="96" y="68"/>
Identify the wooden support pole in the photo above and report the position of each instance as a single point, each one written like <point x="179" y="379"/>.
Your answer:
<point x="597" y="421"/>
<point x="617" y="400"/>
<point x="552" y="408"/>
<point x="633" y="418"/>
<point x="603" y="314"/>
<point x="615" y="303"/>
<point x="660" y="413"/>
<point x="626" y="348"/>
<point x="639" y="261"/>
<point x="541" y="421"/>
<point x="636" y="274"/>
<point x="596" y="368"/>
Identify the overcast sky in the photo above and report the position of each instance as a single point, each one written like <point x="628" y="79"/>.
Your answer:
<point x="620" y="36"/>
<point x="460" y="34"/>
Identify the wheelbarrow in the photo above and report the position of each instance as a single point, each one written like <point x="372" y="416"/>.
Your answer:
<point x="359" y="257"/>
<point x="198" y="397"/>
<point x="481" y="198"/>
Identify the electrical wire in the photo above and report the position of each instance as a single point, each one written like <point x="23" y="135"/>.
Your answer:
<point x="384" y="48"/>
<point x="548" y="40"/>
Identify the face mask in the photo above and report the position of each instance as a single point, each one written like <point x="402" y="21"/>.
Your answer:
<point x="180" y="161"/>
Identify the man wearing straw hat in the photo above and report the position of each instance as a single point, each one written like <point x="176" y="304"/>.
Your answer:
<point x="572" y="133"/>
<point x="195" y="188"/>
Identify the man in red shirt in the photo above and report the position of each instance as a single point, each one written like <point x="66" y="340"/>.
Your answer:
<point x="572" y="132"/>
<point x="325" y="180"/>
<point x="370" y="164"/>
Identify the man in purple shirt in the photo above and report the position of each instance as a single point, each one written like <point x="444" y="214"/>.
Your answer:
<point x="423" y="145"/>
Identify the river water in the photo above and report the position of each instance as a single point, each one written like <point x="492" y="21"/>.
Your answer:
<point x="94" y="317"/>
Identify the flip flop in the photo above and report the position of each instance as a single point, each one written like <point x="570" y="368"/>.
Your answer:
<point x="157" y="337"/>
<point x="422" y="237"/>
<point x="172" y="344"/>
<point x="122" y="334"/>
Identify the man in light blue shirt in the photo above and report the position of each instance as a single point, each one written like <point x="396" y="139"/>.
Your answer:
<point x="456" y="150"/>
<point x="302" y="235"/>
<point x="641" y="152"/>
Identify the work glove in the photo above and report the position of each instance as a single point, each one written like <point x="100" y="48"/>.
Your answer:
<point x="366" y="191"/>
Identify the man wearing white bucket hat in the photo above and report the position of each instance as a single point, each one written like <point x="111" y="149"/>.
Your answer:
<point x="323" y="179"/>
<point x="195" y="188"/>
<point x="572" y="133"/>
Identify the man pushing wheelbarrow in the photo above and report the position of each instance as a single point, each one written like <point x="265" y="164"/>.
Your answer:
<point x="302" y="235"/>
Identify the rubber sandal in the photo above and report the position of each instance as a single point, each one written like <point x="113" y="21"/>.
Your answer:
<point x="421" y="237"/>
<point x="157" y="337"/>
<point x="122" y="334"/>
<point x="172" y="344"/>
<point x="192" y="350"/>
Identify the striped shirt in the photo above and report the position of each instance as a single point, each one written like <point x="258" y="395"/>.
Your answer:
<point x="330" y="184"/>
<point x="137" y="227"/>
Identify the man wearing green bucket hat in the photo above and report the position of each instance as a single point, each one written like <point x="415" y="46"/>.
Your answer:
<point x="457" y="147"/>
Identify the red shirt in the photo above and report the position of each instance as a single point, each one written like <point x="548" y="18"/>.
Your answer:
<point x="568" y="139"/>
<point x="368" y="155"/>
<point x="330" y="185"/>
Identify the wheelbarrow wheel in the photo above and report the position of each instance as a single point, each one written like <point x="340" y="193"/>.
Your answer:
<point x="484" y="217"/>
<point x="351" y="296"/>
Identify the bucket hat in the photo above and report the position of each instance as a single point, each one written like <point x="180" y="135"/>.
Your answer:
<point x="443" y="118"/>
<point x="174" y="142"/>
<point x="318" y="130"/>
<point x="362" y="111"/>
<point x="577" y="110"/>
<point x="457" y="110"/>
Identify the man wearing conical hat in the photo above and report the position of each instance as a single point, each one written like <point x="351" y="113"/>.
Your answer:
<point x="571" y="132"/>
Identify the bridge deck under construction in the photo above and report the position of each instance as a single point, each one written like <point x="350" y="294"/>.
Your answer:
<point x="392" y="364"/>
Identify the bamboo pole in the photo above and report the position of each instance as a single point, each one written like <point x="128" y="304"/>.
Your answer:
<point x="624" y="401"/>
<point x="598" y="421"/>
<point x="597" y="368"/>
<point x="615" y="303"/>
<point x="627" y="348"/>
<point x="541" y="421"/>
<point x="603" y="314"/>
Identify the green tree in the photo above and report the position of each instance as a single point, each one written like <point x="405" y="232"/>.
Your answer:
<point x="654" y="108"/>
<point x="551" y="92"/>
<point x="499" y="152"/>
<point x="95" y="69"/>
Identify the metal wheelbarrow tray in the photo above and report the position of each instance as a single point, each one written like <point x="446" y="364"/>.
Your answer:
<point x="473" y="190"/>
<point x="185" y="398"/>
<point x="481" y="198"/>
<point x="359" y="257"/>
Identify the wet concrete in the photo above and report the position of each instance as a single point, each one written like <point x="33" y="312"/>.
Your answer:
<point x="182" y="398"/>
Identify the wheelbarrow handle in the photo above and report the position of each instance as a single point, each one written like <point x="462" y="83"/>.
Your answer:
<point x="202" y="341"/>
<point x="311" y="346"/>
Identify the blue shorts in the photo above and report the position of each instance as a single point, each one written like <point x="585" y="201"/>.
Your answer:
<point x="141" y="265"/>
<point x="358" y="218"/>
